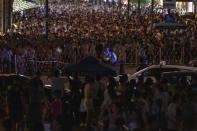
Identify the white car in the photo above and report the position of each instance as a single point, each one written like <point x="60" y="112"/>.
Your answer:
<point x="151" y="71"/>
<point x="117" y="78"/>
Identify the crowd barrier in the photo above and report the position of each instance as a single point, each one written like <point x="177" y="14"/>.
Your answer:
<point x="175" y="56"/>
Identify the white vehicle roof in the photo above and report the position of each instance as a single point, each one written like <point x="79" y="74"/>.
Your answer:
<point x="187" y="68"/>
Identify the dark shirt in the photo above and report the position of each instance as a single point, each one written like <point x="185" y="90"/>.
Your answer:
<point x="35" y="105"/>
<point x="15" y="104"/>
<point x="194" y="88"/>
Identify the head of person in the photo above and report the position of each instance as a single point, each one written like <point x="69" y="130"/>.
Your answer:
<point x="75" y="75"/>
<point x="98" y="77"/>
<point x="36" y="84"/>
<point x="158" y="77"/>
<point x="57" y="94"/>
<point x="140" y="79"/>
<point x="132" y="83"/>
<point x="175" y="98"/>
<point x="57" y="73"/>
<point x="111" y="82"/>
<point x="107" y="49"/>
<point x="123" y="79"/>
<point x="149" y="82"/>
<point x="38" y="74"/>
<point x="156" y="88"/>
<point x="89" y="79"/>
<point x="168" y="11"/>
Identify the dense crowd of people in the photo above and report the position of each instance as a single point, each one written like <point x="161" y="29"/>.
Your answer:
<point x="95" y="102"/>
<point x="99" y="103"/>
<point x="78" y="30"/>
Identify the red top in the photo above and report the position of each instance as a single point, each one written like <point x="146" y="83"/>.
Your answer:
<point x="56" y="108"/>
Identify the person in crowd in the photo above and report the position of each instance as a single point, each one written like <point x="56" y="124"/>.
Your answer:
<point x="3" y="112"/>
<point x="15" y="104"/>
<point x="76" y="94"/>
<point x="58" y="83"/>
<point x="7" y="59"/>
<point x="194" y="84"/>
<point x="133" y="120"/>
<point x="99" y="93"/>
<point x="142" y="65"/>
<point x="83" y="112"/>
<point x="107" y="55"/>
<point x="67" y="118"/>
<point x="47" y="115"/>
<point x="188" y="114"/>
<point x="56" y="111"/>
<point x="158" y="107"/>
<point x="172" y="113"/>
<point x="89" y="95"/>
<point x="35" y="109"/>
<point x="109" y="93"/>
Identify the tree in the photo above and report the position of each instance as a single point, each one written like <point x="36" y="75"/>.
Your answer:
<point x="143" y="2"/>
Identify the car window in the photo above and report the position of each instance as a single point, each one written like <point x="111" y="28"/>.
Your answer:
<point x="154" y="71"/>
<point x="172" y="80"/>
<point x="170" y="69"/>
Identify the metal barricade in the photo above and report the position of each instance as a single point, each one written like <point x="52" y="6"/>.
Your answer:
<point x="31" y="67"/>
<point x="177" y="55"/>
<point x="131" y="56"/>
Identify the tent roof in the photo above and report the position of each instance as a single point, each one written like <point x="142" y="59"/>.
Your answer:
<point x="20" y="5"/>
<point x="170" y="25"/>
<point x="91" y="65"/>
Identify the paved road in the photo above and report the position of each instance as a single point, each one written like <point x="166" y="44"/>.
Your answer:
<point x="129" y="69"/>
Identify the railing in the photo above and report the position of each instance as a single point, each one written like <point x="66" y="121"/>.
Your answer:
<point x="45" y="67"/>
<point x="132" y="56"/>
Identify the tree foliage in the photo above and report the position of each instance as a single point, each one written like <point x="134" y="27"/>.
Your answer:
<point x="143" y="2"/>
